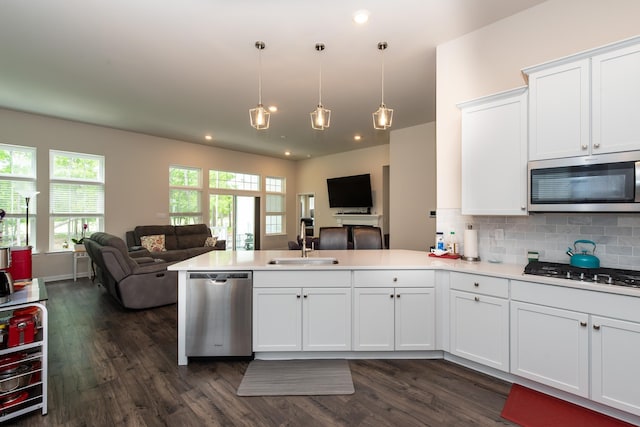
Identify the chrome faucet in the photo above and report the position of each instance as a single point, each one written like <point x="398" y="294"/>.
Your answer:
<point x="303" y="237"/>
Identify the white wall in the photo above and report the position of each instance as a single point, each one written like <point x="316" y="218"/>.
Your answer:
<point x="412" y="187"/>
<point x="136" y="176"/>
<point x="488" y="61"/>
<point x="312" y="177"/>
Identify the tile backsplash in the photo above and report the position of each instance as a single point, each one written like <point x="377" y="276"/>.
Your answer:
<point x="508" y="238"/>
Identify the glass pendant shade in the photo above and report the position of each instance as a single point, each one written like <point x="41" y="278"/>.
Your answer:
<point x="259" y="116"/>
<point x="383" y="116"/>
<point x="320" y="117"/>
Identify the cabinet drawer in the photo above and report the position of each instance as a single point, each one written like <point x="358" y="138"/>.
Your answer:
<point x="406" y="278"/>
<point x="486" y="285"/>
<point x="335" y="278"/>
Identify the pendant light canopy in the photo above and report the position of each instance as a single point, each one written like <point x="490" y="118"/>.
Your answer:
<point x="383" y="116"/>
<point x="259" y="116"/>
<point x="320" y="117"/>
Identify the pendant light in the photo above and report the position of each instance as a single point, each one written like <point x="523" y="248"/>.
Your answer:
<point x="259" y="115"/>
<point x="320" y="117"/>
<point x="383" y="116"/>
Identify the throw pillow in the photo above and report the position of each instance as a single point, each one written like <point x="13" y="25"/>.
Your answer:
<point x="153" y="243"/>
<point x="211" y="241"/>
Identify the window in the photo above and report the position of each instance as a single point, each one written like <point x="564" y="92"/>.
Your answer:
<point x="234" y="181"/>
<point x="185" y="195"/>
<point x="76" y="197"/>
<point x="17" y="182"/>
<point x="275" y="205"/>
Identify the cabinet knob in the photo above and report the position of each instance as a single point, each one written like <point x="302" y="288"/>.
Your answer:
<point x="523" y="208"/>
<point x="476" y="299"/>
<point x="584" y="147"/>
<point x="297" y="295"/>
<point x="395" y="279"/>
<point x="397" y="295"/>
<point x="583" y="323"/>
<point x="305" y="295"/>
<point x="476" y="284"/>
<point x="596" y="145"/>
<point x="391" y="296"/>
<point x="596" y="327"/>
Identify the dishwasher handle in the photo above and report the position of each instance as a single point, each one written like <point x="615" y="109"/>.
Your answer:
<point x="221" y="277"/>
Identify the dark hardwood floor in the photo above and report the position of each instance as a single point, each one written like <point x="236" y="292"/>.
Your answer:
<point x="110" y="367"/>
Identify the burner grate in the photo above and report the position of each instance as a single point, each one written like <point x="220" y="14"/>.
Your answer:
<point x="608" y="276"/>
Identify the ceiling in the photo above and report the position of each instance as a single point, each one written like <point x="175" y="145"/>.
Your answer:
<point x="185" y="69"/>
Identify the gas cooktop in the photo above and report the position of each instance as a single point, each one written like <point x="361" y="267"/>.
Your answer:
<point x="607" y="276"/>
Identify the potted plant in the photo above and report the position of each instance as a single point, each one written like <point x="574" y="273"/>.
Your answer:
<point x="78" y="244"/>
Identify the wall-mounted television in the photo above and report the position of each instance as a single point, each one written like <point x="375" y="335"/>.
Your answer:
<point x="350" y="191"/>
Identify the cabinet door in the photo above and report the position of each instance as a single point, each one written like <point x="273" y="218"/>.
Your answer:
<point x="373" y="319"/>
<point x="277" y="319"/>
<point x="614" y="363"/>
<point x="550" y="346"/>
<point x="616" y="100"/>
<point x="414" y="319"/>
<point x="559" y="111"/>
<point x="480" y="329"/>
<point x="326" y="319"/>
<point x="494" y="155"/>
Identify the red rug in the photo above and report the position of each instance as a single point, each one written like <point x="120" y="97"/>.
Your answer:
<point x="530" y="408"/>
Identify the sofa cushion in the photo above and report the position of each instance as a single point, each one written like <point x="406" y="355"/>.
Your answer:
<point x="170" y="241"/>
<point x="191" y="236"/>
<point x="211" y="242"/>
<point x="153" y="243"/>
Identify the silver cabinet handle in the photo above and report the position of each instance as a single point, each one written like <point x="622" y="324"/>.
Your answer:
<point x="584" y="147"/>
<point x="596" y="145"/>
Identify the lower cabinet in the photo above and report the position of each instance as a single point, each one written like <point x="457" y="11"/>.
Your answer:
<point x="387" y="319"/>
<point x="294" y="319"/>
<point x="479" y="322"/>
<point x="550" y="346"/>
<point x="615" y="371"/>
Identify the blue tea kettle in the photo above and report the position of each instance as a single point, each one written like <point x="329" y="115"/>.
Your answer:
<point x="583" y="259"/>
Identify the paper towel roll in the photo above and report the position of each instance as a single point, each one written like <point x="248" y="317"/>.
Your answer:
<point x="470" y="243"/>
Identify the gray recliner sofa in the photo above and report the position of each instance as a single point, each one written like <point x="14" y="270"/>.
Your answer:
<point x="137" y="283"/>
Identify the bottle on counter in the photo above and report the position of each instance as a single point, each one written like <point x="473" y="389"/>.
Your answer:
<point x="440" y="241"/>
<point x="452" y="244"/>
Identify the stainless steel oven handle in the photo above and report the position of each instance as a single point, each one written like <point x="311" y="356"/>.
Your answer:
<point x="637" y="199"/>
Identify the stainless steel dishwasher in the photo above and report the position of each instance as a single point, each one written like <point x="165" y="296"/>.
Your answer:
<point x="219" y="314"/>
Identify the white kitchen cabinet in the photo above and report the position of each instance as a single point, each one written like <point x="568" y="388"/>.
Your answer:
<point x="394" y="310"/>
<point x="387" y="319"/>
<point x="615" y="346"/>
<point x="586" y="104"/>
<point x="559" y="110"/>
<point x="309" y="319"/>
<point x="494" y="154"/>
<point x="479" y="322"/>
<point x="550" y="346"/>
<point x="615" y="100"/>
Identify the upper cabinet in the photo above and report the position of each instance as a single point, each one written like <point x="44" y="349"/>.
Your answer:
<point x="615" y="100"/>
<point x="494" y="154"/>
<point x="586" y="104"/>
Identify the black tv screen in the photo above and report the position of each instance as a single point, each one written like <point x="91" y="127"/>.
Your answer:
<point x="350" y="191"/>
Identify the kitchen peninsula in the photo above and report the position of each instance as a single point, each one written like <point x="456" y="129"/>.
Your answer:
<point x="571" y="339"/>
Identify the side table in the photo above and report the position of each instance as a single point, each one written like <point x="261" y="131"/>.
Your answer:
<point x="76" y="256"/>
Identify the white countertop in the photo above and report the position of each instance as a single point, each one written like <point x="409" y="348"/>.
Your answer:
<point x="378" y="259"/>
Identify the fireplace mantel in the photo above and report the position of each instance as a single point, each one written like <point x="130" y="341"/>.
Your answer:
<point x="358" y="219"/>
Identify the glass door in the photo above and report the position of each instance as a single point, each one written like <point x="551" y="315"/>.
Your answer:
<point x="233" y="218"/>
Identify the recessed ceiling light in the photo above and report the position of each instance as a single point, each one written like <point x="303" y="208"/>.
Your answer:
<point x="287" y="153"/>
<point x="361" y="17"/>
<point x="208" y="137"/>
<point x="357" y="137"/>
<point x="273" y="108"/>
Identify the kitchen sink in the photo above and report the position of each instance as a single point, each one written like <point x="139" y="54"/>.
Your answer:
<point x="304" y="261"/>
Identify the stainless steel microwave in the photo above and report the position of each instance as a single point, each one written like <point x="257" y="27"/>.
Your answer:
<point x="602" y="183"/>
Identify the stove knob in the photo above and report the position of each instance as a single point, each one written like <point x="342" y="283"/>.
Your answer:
<point x="568" y="275"/>
<point x="610" y="280"/>
<point x="595" y="278"/>
<point x="581" y="276"/>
